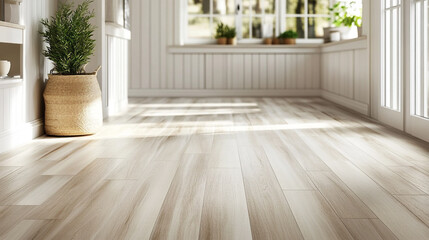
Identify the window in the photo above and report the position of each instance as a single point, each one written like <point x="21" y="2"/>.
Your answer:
<point x="391" y="85"/>
<point x="420" y="83"/>
<point x="256" y="19"/>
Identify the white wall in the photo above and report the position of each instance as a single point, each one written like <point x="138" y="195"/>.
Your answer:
<point x="346" y="74"/>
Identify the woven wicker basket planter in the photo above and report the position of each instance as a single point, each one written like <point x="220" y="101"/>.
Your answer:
<point x="72" y="105"/>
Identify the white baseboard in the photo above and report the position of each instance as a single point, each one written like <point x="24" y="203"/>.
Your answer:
<point x="18" y="136"/>
<point x="224" y="93"/>
<point x="351" y="104"/>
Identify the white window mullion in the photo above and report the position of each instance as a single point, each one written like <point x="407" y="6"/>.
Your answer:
<point x="426" y="59"/>
<point x="306" y="19"/>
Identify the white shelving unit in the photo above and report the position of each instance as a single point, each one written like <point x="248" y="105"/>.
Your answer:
<point x="12" y="89"/>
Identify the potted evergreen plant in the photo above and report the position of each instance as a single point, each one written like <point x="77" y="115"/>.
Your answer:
<point x="221" y="33"/>
<point x="231" y="35"/>
<point x="72" y="96"/>
<point x="289" y="37"/>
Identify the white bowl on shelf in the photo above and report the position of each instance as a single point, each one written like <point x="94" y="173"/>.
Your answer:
<point x="4" y="68"/>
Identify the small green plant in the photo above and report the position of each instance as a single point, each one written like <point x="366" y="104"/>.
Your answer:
<point x="230" y="32"/>
<point x="346" y="14"/>
<point x="221" y="30"/>
<point x="289" y="34"/>
<point x="69" y="37"/>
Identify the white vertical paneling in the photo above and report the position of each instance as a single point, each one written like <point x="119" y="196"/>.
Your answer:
<point x="155" y="47"/>
<point x="2" y="110"/>
<point x="195" y="71"/>
<point x="209" y="71"/>
<point x="308" y="72"/>
<point x="291" y="71"/>
<point x="280" y="71"/>
<point x="271" y="70"/>
<point x="145" y="51"/>
<point x="163" y="43"/>
<point x="237" y="70"/>
<point x="300" y="69"/>
<point x="263" y="71"/>
<point x="316" y="76"/>
<point x="255" y="71"/>
<point x="7" y="108"/>
<point x="247" y="71"/>
<point x="361" y="78"/>
<point x="187" y="71"/>
<point x="201" y="72"/>
<point x="117" y="73"/>
<point x="220" y="71"/>
<point x="136" y="41"/>
<point x="178" y="71"/>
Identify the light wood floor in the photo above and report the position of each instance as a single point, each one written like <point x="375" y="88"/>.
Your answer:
<point x="228" y="168"/>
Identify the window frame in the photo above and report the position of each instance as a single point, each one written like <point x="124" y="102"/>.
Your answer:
<point x="280" y="16"/>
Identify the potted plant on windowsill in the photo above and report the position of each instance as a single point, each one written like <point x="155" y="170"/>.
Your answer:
<point x="231" y="35"/>
<point x="347" y="19"/>
<point x="72" y="96"/>
<point x="221" y="34"/>
<point x="289" y="37"/>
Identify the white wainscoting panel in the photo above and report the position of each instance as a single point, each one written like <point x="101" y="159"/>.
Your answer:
<point x="117" y="74"/>
<point x="345" y="74"/>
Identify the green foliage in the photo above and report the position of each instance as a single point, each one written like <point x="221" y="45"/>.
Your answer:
<point x="221" y="30"/>
<point x="289" y="34"/>
<point x="69" y="35"/>
<point x="230" y="32"/>
<point x="346" y="14"/>
<point x="225" y="31"/>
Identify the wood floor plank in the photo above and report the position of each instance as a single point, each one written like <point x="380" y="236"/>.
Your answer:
<point x="315" y="217"/>
<point x="403" y="223"/>
<point x="75" y="191"/>
<point x="288" y="171"/>
<point x="364" y="229"/>
<point x="220" y="168"/>
<point x="225" y="152"/>
<point x="413" y="175"/>
<point x="419" y="205"/>
<point x="25" y="229"/>
<point x="269" y="212"/>
<point x="225" y="214"/>
<point x="344" y="202"/>
<point x="180" y="215"/>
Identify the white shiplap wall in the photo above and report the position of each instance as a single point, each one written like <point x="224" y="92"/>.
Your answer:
<point x="345" y="74"/>
<point x="117" y="54"/>
<point x="338" y="72"/>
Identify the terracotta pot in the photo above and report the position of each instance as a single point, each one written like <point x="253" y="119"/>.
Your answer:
<point x="221" y="41"/>
<point x="276" y="40"/>
<point x="289" y="41"/>
<point x="232" y="41"/>
<point x="268" y="41"/>
<point x="72" y="105"/>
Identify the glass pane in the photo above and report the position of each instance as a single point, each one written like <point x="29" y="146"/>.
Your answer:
<point x="296" y="24"/>
<point x="316" y="25"/>
<point x="270" y="6"/>
<point x="223" y="6"/>
<point x="228" y="20"/>
<point x="199" y="27"/>
<point x="318" y="6"/>
<point x="246" y="27"/>
<point x="295" y="6"/>
<point x="198" y="6"/>
<point x="256" y="27"/>
<point x="247" y="6"/>
<point x="258" y="6"/>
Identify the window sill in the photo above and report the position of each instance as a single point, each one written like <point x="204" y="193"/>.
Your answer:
<point x="245" y="48"/>
<point x="358" y="43"/>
